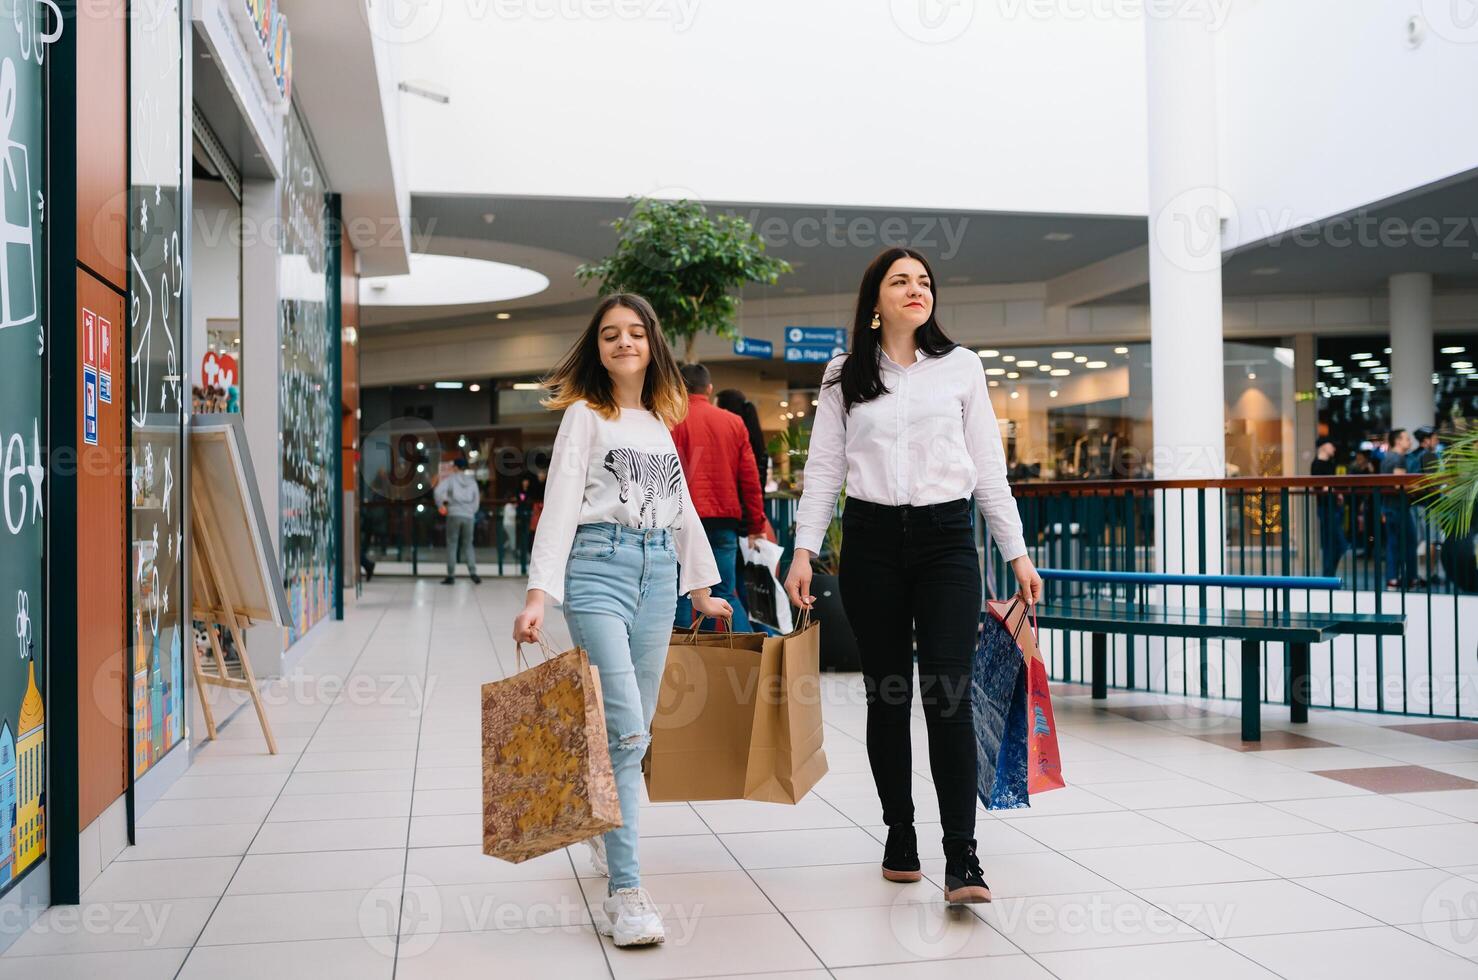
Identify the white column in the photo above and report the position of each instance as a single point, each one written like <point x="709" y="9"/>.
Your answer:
<point x="1412" y="402"/>
<point x="1186" y="209"/>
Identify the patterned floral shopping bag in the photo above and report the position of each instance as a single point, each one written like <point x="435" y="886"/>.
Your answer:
<point x="998" y="699"/>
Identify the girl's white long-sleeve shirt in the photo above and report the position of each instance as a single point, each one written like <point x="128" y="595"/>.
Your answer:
<point x="618" y="471"/>
<point x="931" y="438"/>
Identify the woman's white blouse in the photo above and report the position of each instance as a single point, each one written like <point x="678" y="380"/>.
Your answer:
<point x="931" y="438"/>
<point x="625" y="471"/>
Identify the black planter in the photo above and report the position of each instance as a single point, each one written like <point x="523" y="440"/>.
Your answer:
<point x="838" y="645"/>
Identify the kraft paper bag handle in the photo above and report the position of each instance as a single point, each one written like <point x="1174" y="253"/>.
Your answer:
<point x="544" y="645"/>
<point x="803" y="621"/>
<point x="698" y="621"/>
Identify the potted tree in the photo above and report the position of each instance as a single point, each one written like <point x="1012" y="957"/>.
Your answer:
<point x="688" y="265"/>
<point x="1451" y="497"/>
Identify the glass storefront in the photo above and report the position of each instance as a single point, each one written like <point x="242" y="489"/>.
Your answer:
<point x="156" y="365"/>
<point x="305" y="391"/>
<point x="23" y="437"/>
<point x="1354" y="390"/>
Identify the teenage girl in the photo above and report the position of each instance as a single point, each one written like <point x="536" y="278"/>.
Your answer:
<point x="905" y="422"/>
<point x="618" y="525"/>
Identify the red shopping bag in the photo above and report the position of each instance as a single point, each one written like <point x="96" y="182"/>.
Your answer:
<point x="1043" y="758"/>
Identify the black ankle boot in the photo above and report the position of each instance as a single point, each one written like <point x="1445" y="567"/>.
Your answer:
<point x="901" y="854"/>
<point x="963" y="879"/>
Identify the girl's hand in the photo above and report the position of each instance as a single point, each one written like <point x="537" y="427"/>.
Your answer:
<point x="1028" y="579"/>
<point x="528" y="623"/>
<point x="798" y="580"/>
<point x="707" y="605"/>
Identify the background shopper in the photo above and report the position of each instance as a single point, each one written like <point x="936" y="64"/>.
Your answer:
<point x="719" y="465"/>
<point x="905" y="421"/>
<point x="457" y="496"/>
<point x="617" y="521"/>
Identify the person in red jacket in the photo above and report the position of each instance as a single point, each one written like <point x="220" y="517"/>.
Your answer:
<point x="723" y="478"/>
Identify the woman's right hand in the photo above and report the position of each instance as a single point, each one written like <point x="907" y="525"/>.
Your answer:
<point x="527" y="624"/>
<point x="798" y="580"/>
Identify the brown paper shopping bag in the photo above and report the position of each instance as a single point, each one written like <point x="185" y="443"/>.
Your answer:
<point x="786" y="757"/>
<point x="738" y="717"/>
<point x="546" y="771"/>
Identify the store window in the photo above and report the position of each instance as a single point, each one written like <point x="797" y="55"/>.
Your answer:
<point x="23" y="434"/>
<point x="306" y="387"/>
<point x="157" y="357"/>
<point x="215" y="275"/>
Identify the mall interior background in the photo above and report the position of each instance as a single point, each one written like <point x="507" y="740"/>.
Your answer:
<point x="341" y="226"/>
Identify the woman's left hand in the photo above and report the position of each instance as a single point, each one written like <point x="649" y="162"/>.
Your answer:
<point x="707" y="605"/>
<point x="1028" y="579"/>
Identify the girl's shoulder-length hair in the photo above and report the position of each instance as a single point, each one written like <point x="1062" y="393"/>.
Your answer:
<point x="580" y="375"/>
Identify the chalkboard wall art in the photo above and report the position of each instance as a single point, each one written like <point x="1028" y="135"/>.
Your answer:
<point x="305" y="392"/>
<point x="156" y="359"/>
<point x="23" y="437"/>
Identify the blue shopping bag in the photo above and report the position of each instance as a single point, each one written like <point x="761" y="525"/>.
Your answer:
<point x="998" y="698"/>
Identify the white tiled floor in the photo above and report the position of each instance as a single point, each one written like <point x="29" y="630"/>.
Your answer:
<point x="356" y="852"/>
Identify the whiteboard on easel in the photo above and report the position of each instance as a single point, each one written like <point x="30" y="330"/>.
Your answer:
<point x="220" y="467"/>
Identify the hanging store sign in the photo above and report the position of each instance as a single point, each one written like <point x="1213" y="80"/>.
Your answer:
<point x="251" y="69"/>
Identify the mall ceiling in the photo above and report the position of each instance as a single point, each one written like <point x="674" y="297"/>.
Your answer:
<point x="1433" y="229"/>
<point x="828" y="247"/>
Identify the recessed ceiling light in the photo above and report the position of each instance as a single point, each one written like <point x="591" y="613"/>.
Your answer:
<point x="994" y="384"/>
<point x="1370" y="364"/>
<point x="1009" y="358"/>
<point x="1053" y="393"/>
<point x="449" y="385"/>
<point x="1332" y="369"/>
<point x="1026" y="363"/>
<point x="1015" y="394"/>
<point x="1044" y="367"/>
<point x="1454" y="350"/>
<point x="1323" y="362"/>
<point x="1097" y="364"/>
<point x="1058" y="236"/>
<point x="1080" y="359"/>
<point x="1062" y="355"/>
<point x="1387" y="350"/>
<point x="995" y="372"/>
<point x="1266" y="270"/>
<point x="989" y="353"/>
<point x="1061" y="373"/>
<point x="474" y="387"/>
<point x="1013" y="375"/>
<point x="504" y="316"/>
<point x="1460" y="365"/>
<point x="1251" y="375"/>
<point x="1121" y="350"/>
<point x="489" y="217"/>
<point x="1360" y="357"/>
<point x="527" y="386"/>
<point x="784" y="404"/>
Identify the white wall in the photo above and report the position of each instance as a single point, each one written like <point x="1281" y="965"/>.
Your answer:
<point x="215" y="263"/>
<point x="817" y="102"/>
<point x="1324" y="107"/>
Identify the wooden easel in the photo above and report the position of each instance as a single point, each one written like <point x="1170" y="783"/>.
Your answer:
<point x="216" y="603"/>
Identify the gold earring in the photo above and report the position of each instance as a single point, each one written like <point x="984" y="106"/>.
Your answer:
<point x="877" y="321"/>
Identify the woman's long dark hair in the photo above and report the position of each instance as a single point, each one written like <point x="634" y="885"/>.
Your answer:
<point x="860" y="377"/>
<point x="733" y="400"/>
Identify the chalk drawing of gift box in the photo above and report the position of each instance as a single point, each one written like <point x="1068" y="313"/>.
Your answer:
<point x="17" y="247"/>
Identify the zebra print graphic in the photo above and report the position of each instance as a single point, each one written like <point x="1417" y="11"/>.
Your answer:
<point x="657" y="478"/>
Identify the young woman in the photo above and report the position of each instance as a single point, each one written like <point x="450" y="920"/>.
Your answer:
<point x="905" y="421"/>
<point x="617" y="524"/>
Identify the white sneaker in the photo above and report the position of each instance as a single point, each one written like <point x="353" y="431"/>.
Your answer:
<point x="597" y="845"/>
<point x="632" y="919"/>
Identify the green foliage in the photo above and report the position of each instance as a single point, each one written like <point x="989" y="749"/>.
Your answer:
<point x="688" y="265"/>
<point x="1451" y="493"/>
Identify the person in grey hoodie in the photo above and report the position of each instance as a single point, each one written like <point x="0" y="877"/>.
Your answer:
<point x="458" y="496"/>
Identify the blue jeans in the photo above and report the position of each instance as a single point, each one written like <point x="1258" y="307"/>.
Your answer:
<point x="1400" y="533"/>
<point x="725" y="545"/>
<point x="620" y="591"/>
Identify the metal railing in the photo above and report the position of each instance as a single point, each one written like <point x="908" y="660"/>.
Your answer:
<point x="412" y="532"/>
<point x="1369" y="531"/>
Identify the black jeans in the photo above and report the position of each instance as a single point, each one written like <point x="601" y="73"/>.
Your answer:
<point x="908" y="570"/>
